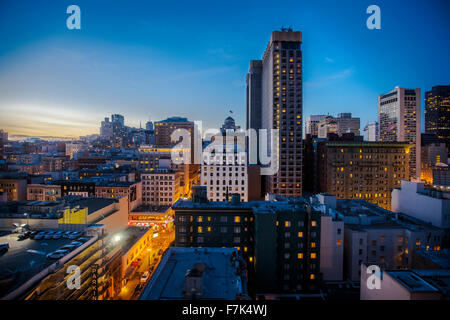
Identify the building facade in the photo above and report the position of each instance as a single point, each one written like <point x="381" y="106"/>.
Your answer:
<point x="399" y="120"/>
<point x="160" y="187"/>
<point x="312" y="124"/>
<point x="362" y="170"/>
<point x="343" y="123"/>
<point x="281" y="108"/>
<point x="437" y="113"/>
<point x="43" y="192"/>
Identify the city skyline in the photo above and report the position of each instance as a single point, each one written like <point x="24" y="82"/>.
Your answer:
<point x="206" y="151"/>
<point x="187" y="69"/>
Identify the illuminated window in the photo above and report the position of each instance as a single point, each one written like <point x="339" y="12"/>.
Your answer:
<point x="287" y="224"/>
<point x="300" y="255"/>
<point x="300" y="234"/>
<point x="313" y="255"/>
<point x="312" y="277"/>
<point x="313" y="223"/>
<point x="237" y="219"/>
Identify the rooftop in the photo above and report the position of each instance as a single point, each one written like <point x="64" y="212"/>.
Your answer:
<point x="412" y="281"/>
<point x="130" y="235"/>
<point x="151" y="209"/>
<point x="220" y="279"/>
<point x="24" y="259"/>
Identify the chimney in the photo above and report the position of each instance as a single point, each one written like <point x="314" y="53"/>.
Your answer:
<point x="193" y="280"/>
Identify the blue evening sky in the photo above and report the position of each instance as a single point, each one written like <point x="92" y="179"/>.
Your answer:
<point x="154" y="59"/>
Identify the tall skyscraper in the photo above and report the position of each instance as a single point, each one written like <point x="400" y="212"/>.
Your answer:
<point x="437" y="113"/>
<point x="280" y="108"/>
<point x="312" y="124"/>
<point x="399" y="120"/>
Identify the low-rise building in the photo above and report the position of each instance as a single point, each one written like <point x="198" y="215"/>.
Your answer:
<point x="198" y="273"/>
<point x="415" y="200"/>
<point x="374" y="235"/>
<point x="45" y="279"/>
<point x="66" y="213"/>
<point x="400" y="285"/>
<point x="15" y="186"/>
<point x="151" y="216"/>
<point x="160" y="187"/>
<point x="43" y="192"/>
<point x="279" y="239"/>
<point x="135" y="243"/>
<point x="131" y="190"/>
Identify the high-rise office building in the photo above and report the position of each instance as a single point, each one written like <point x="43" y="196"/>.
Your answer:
<point x="165" y="128"/>
<point x="433" y="152"/>
<point x="276" y="81"/>
<point x="371" y="131"/>
<point x="437" y="113"/>
<point x="254" y="94"/>
<point x="344" y="123"/>
<point x="312" y="124"/>
<point x="399" y="120"/>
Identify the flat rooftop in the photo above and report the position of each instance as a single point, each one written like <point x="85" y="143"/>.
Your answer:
<point x="412" y="281"/>
<point x="33" y="206"/>
<point x="24" y="259"/>
<point x="219" y="280"/>
<point x="441" y="257"/>
<point x="355" y="207"/>
<point x="151" y="209"/>
<point x="131" y="235"/>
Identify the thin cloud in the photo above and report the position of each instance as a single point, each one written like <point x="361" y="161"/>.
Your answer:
<point x="200" y="73"/>
<point x="330" y="79"/>
<point x="327" y="59"/>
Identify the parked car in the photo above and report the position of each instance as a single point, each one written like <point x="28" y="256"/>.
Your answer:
<point x="69" y="247"/>
<point x="58" y="254"/>
<point x="83" y="239"/>
<point x="67" y="234"/>
<point x="76" y="243"/>
<point x="48" y="236"/>
<point x="56" y="236"/>
<point x="145" y="276"/>
<point x="39" y="236"/>
<point x="4" y="247"/>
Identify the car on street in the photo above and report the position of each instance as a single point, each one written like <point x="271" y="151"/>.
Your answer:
<point x="24" y="235"/>
<point x="145" y="276"/>
<point x="4" y="247"/>
<point x="33" y="234"/>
